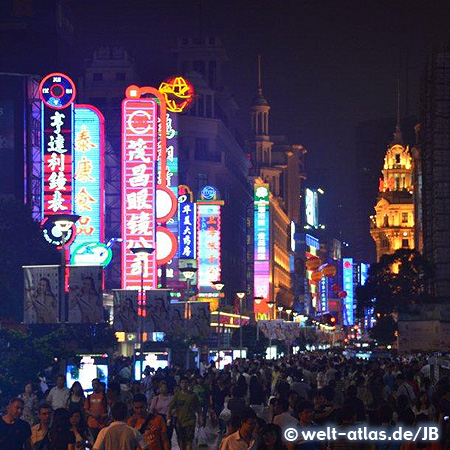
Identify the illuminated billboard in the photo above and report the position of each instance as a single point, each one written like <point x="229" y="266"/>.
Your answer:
<point x="57" y="92"/>
<point x="347" y="275"/>
<point x="139" y="155"/>
<point x="311" y="208"/>
<point x="89" y="174"/>
<point x="262" y="250"/>
<point x="208" y="251"/>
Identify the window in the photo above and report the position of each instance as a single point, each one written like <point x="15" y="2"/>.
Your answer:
<point x="200" y="105"/>
<point x="120" y="76"/>
<point x="199" y="66"/>
<point x="397" y="159"/>
<point x="201" y="180"/>
<point x="209" y="104"/>
<point x="212" y="73"/>
<point x="405" y="217"/>
<point x="405" y="243"/>
<point x="97" y="76"/>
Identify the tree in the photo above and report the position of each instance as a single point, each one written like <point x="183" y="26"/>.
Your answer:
<point x="21" y="243"/>
<point x="397" y="282"/>
<point x="384" y="330"/>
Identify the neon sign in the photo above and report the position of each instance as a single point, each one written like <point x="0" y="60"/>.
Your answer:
<point x="89" y="174"/>
<point x="262" y="249"/>
<point x="178" y="93"/>
<point x="139" y="155"/>
<point x="91" y="254"/>
<point x="187" y="223"/>
<point x="347" y="274"/>
<point x="209" y="242"/>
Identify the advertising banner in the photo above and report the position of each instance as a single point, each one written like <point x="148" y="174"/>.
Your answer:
<point x="158" y="311"/>
<point x="42" y="285"/>
<point x="85" y="294"/>
<point x="177" y="319"/>
<point x="199" y="324"/>
<point x="125" y="310"/>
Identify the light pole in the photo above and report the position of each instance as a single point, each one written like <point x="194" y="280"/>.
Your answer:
<point x="142" y="252"/>
<point x="64" y="222"/>
<point x="280" y="309"/>
<point x="270" y="304"/>
<point x="288" y="312"/>
<point x="218" y="286"/>
<point x="188" y="273"/>
<point x="240" y="296"/>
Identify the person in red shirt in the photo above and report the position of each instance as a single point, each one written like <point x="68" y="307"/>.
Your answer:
<point x="151" y="426"/>
<point x="96" y="409"/>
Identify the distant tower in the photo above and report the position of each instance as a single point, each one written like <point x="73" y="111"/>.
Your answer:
<point x="392" y="226"/>
<point x="260" y="142"/>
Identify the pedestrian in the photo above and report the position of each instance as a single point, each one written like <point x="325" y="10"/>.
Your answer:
<point x="58" y="396"/>
<point x="160" y="405"/>
<point x="186" y="405"/>
<point x="118" y="435"/>
<point x="244" y="438"/>
<point x="150" y="425"/>
<point x="15" y="433"/>
<point x="40" y="433"/>
<point x="96" y="409"/>
<point x="76" y="398"/>
<point x="78" y="426"/>
<point x="30" y="404"/>
<point x="61" y="438"/>
<point x="271" y="438"/>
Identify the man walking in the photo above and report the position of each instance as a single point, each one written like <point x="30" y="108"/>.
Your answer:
<point x="58" y="396"/>
<point x="186" y="404"/>
<point x="96" y="409"/>
<point x="39" y="433"/>
<point x="14" y="432"/>
<point x="119" y="436"/>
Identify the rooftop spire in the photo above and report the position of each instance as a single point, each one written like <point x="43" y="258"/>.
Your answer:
<point x="260" y="100"/>
<point x="398" y="137"/>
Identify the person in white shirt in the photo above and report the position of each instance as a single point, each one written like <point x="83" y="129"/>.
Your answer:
<point x="283" y="418"/>
<point x="59" y="395"/>
<point x="244" y="438"/>
<point x="119" y="436"/>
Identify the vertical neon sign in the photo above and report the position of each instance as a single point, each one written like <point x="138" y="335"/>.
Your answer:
<point x="347" y="272"/>
<point x="262" y="249"/>
<point x="187" y="223"/>
<point x="209" y="242"/>
<point x="57" y="92"/>
<point x="139" y="155"/>
<point x="89" y="174"/>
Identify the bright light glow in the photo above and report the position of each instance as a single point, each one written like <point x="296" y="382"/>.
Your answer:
<point x="209" y="245"/>
<point x="89" y="174"/>
<point x="292" y="236"/>
<point x="166" y="245"/>
<point x="139" y="142"/>
<point x="91" y="254"/>
<point x="312" y="208"/>
<point x="240" y="295"/>
<point x="187" y="226"/>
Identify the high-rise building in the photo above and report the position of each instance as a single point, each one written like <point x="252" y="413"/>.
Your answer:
<point x="392" y="226"/>
<point x="435" y="159"/>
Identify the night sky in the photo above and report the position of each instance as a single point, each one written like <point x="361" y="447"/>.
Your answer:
<point x="327" y="65"/>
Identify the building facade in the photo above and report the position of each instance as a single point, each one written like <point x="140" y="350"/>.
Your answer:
<point x="435" y="159"/>
<point x="392" y="226"/>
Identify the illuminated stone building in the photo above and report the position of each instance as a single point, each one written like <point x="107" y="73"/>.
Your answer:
<point x="280" y="165"/>
<point x="392" y="226"/>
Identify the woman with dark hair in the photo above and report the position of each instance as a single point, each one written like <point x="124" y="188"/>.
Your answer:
<point x="61" y="438"/>
<point x="424" y="407"/>
<point x="271" y="436"/>
<point x="76" y="398"/>
<point x="257" y="395"/>
<point x="83" y="437"/>
<point x="30" y="408"/>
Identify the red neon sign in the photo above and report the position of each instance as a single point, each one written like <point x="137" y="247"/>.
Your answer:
<point x="139" y="155"/>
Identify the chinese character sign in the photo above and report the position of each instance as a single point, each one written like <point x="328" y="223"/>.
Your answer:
<point x="262" y="249"/>
<point x="347" y="274"/>
<point x="187" y="224"/>
<point x="139" y="154"/>
<point x="208" y="253"/>
<point x="57" y="160"/>
<point x="88" y="174"/>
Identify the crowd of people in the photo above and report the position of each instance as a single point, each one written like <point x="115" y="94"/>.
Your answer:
<point x="245" y="406"/>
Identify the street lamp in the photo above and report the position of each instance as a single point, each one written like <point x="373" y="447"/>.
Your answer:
<point x="288" y="312"/>
<point x="142" y="252"/>
<point x="258" y="300"/>
<point x="280" y="309"/>
<point x="240" y="296"/>
<point x="218" y="286"/>
<point x="64" y="222"/>
<point x="270" y="304"/>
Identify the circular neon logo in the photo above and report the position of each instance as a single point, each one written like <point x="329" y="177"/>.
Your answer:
<point x="57" y="91"/>
<point x="208" y="193"/>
